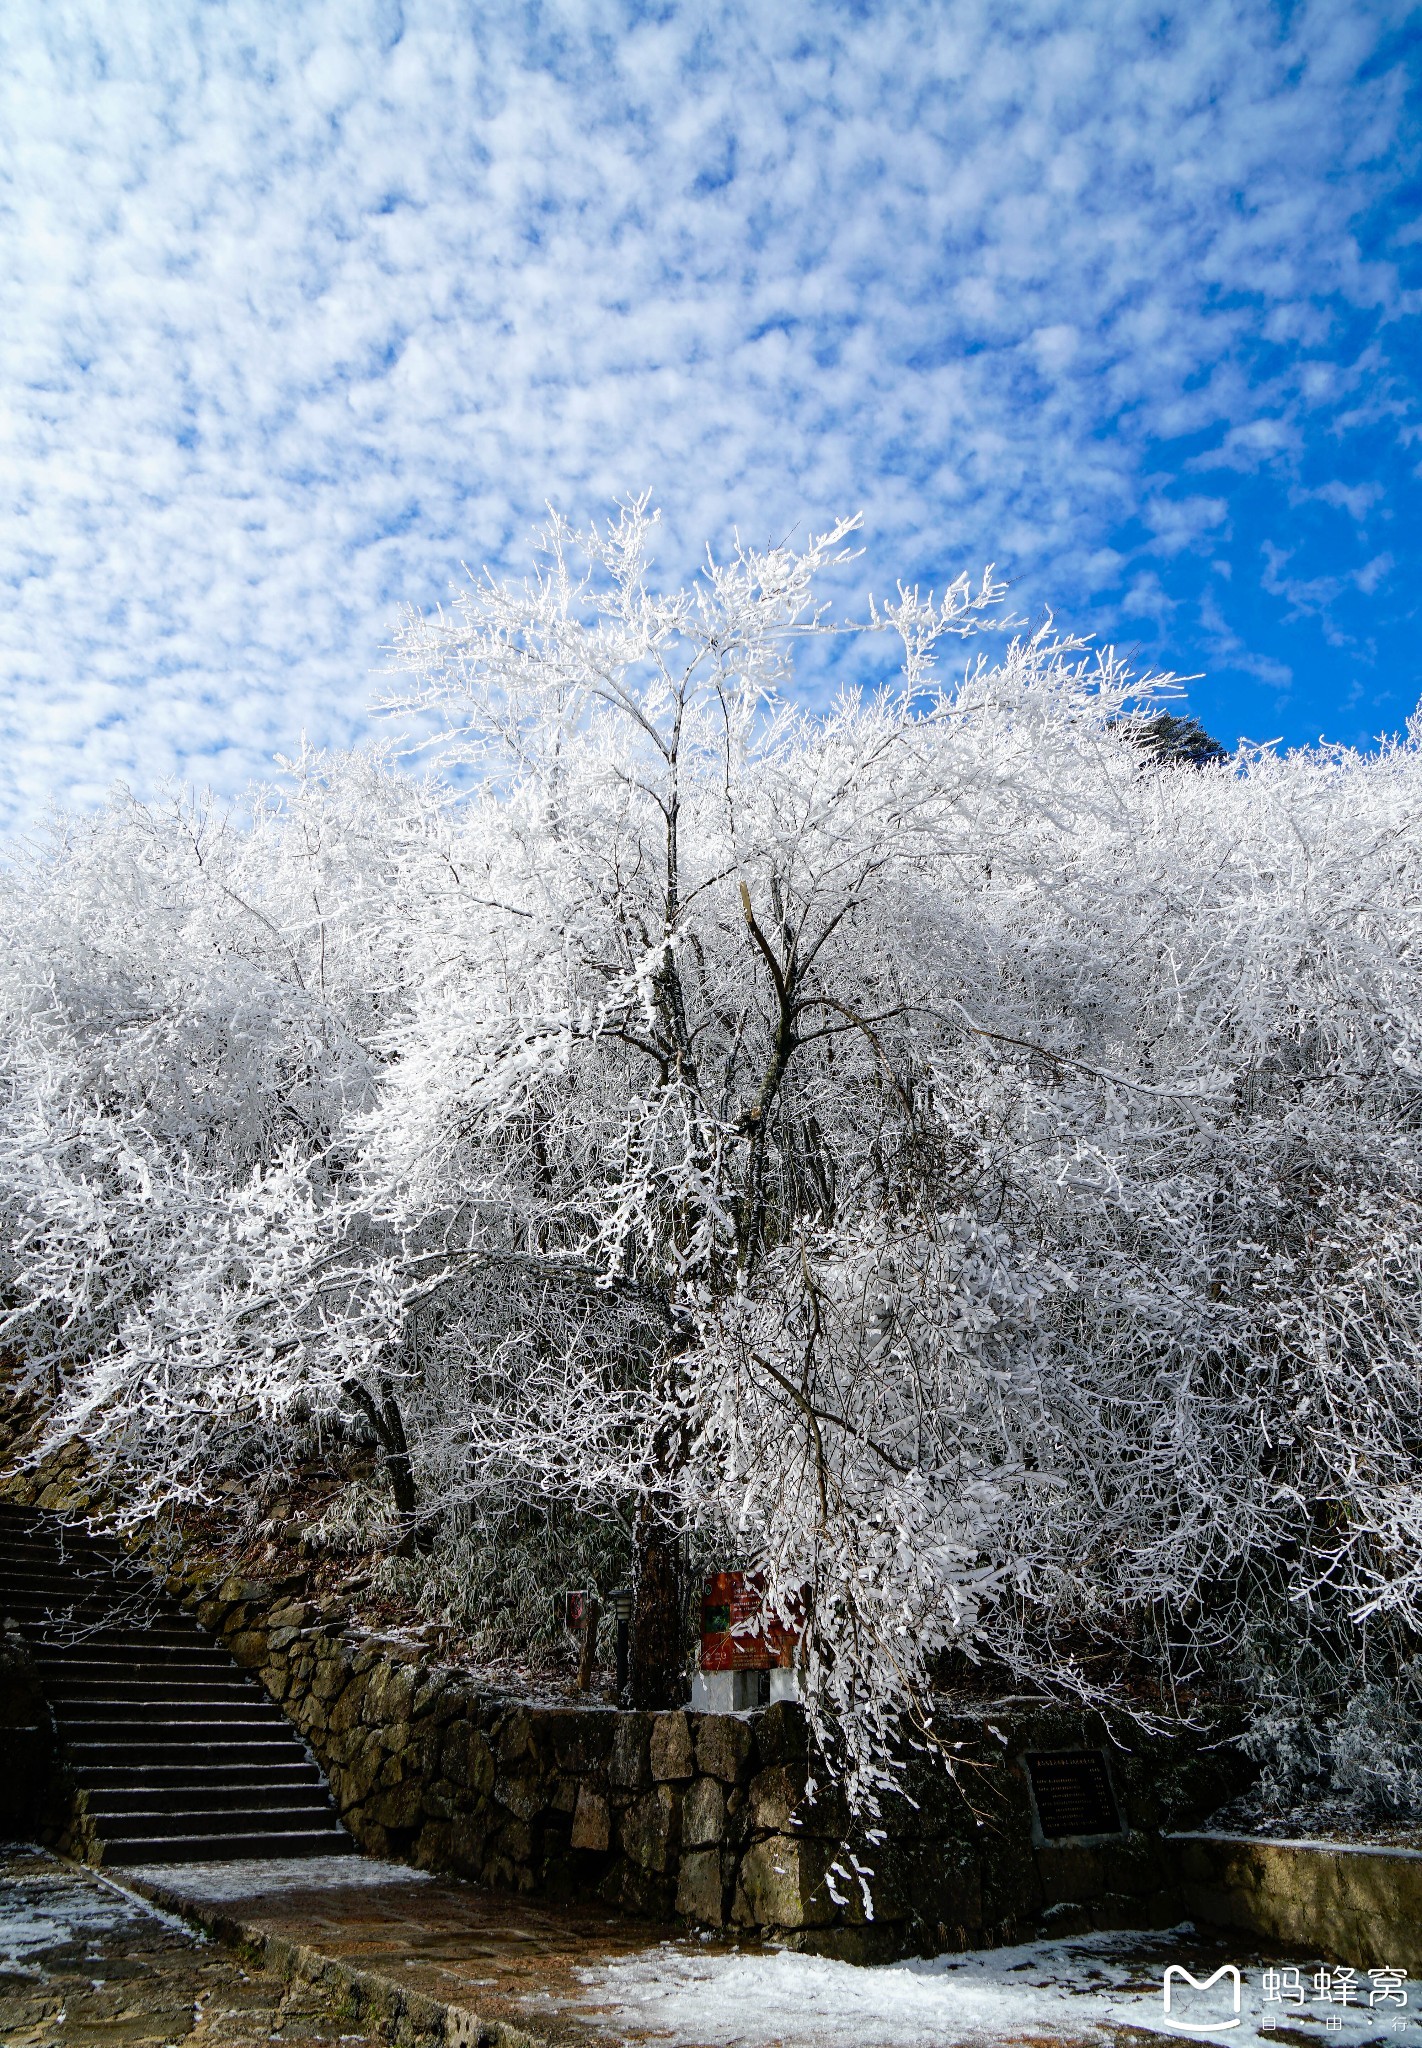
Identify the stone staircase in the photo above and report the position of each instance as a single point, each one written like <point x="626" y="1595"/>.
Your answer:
<point x="178" y="1755"/>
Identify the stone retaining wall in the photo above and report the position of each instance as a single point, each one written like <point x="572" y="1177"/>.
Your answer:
<point x="705" y="1816"/>
<point x="1355" y="1903"/>
<point x="698" y="1815"/>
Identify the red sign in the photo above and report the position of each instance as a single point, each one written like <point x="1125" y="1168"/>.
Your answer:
<point x="574" y="1607"/>
<point x="736" y="1634"/>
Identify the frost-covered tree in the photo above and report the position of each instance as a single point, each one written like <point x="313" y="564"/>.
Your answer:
<point x="924" y="1148"/>
<point x="192" y="1003"/>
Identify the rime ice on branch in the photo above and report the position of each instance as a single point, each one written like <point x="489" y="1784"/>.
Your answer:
<point x="939" y="1153"/>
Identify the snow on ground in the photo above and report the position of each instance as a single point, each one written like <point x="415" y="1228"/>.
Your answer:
<point x="48" y="1909"/>
<point x="217" y="1883"/>
<point x="29" y="1926"/>
<point x="1077" y="1990"/>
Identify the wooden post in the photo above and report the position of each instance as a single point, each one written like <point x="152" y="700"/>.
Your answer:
<point x="588" y="1658"/>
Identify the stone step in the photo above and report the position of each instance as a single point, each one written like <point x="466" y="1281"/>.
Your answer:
<point x="291" y="1795"/>
<point x="84" y="1585"/>
<point x="87" y="1686"/>
<point x="26" y="1566"/>
<point x="69" y="1668"/>
<point x="99" y="1721"/>
<point x="162" y="1821"/>
<point x="115" y="1641"/>
<point x="142" y="1683"/>
<point x="59" y="1636"/>
<point x="39" y="1549"/>
<point x="138" y="1619"/>
<point x="115" y="1645"/>
<point x="40" y="1552"/>
<point x="108" y="1658"/>
<point x="190" y="1750"/>
<point x="160" y="1730"/>
<point x="181" y="1755"/>
<point x="228" y="1848"/>
<point x="133" y="1609"/>
<point x="201" y="1777"/>
<point x="51" y="1576"/>
<point x="56" y="1588"/>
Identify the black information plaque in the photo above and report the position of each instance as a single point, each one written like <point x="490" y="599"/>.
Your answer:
<point x="1073" y="1793"/>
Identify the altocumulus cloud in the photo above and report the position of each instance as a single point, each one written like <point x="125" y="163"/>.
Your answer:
<point x="304" y="306"/>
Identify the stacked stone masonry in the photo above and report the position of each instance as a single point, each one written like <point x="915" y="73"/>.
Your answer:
<point x="706" y="1817"/>
<point x="703" y="1817"/>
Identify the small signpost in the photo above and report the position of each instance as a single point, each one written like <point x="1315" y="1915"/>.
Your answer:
<point x="578" y="1610"/>
<point x="572" y="1606"/>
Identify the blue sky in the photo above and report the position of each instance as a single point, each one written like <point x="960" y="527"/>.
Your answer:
<point x="303" y="305"/>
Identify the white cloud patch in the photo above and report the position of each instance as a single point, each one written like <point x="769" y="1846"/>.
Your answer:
<point x="305" y="305"/>
<point x="1357" y="500"/>
<point x="1180" y="523"/>
<point x="1225" y="646"/>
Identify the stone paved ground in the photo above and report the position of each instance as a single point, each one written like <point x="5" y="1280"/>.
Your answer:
<point x="83" y="1964"/>
<point x="414" y="1960"/>
<point x="515" y="1969"/>
<point x="495" y="1958"/>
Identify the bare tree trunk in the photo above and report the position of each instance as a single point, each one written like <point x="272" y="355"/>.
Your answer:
<point x="656" y="1676"/>
<point x="388" y="1425"/>
<point x="591" y="1615"/>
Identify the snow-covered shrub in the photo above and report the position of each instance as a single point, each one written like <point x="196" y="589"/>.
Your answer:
<point x="1355" y="1760"/>
<point x="1376" y="1749"/>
